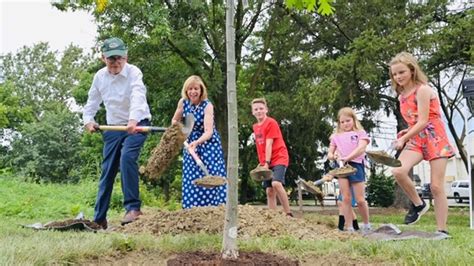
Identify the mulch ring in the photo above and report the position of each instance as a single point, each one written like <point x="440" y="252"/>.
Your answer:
<point x="215" y="259"/>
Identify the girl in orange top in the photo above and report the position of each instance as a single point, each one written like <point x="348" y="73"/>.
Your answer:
<point x="424" y="139"/>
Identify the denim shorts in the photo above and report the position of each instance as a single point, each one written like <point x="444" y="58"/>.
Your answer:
<point x="359" y="176"/>
<point x="278" y="175"/>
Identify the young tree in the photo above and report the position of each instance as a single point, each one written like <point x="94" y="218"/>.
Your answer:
<point x="229" y="244"/>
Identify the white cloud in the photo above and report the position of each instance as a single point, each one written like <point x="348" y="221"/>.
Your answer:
<point x="28" y="22"/>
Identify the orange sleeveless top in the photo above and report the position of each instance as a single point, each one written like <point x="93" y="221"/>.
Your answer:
<point x="432" y="141"/>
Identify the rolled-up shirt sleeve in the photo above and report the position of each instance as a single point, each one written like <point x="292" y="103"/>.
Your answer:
<point x="138" y="104"/>
<point x="93" y="103"/>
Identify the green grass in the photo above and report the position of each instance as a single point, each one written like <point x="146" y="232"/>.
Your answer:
<point x="26" y="203"/>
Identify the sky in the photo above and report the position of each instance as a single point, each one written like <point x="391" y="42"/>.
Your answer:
<point x="26" y="22"/>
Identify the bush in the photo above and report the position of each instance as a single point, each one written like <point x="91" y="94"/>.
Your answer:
<point x="48" y="150"/>
<point x="380" y="190"/>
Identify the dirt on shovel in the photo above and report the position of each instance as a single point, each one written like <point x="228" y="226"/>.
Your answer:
<point x="316" y="191"/>
<point x="165" y="152"/>
<point x="210" y="181"/>
<point x="344" y="171"/>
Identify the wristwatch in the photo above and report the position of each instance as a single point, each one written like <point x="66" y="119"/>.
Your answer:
<point x="268" y="162"/>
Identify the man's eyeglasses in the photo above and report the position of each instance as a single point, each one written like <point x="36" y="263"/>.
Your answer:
<point x="112" y="59"/>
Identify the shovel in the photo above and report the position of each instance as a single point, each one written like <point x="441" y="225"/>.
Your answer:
<point x="187" y="128"/>
<point x="344" y="170"/>
<point x="384" y="157"/>
<point x="168" y="148"/>
<point x="207" y="181"/>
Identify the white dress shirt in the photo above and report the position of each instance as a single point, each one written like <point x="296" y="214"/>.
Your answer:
<point x="124" y="96"/>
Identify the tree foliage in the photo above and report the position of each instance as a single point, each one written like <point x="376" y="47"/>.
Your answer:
<point x="323" y="6"/>
<point x="48" y="150"/>
<point x="380" y="190"/>
<point x="307" y="65"/>
<point x="39" y="130"/>
<point x="40" y="78"/>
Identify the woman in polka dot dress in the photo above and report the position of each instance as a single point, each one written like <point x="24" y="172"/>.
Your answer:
<point x="206" y="141"/>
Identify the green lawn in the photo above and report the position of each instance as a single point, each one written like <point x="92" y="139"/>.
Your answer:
<point x="26" y="203"/>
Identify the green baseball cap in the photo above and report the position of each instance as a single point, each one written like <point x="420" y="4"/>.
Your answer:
<point x="114" y="46"/>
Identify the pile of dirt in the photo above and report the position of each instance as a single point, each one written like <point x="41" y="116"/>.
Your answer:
<point x="165" y="152"/>
<point x="253" y="222"/>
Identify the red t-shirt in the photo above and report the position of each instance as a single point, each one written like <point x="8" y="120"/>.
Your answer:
<point x="269" y="129"/>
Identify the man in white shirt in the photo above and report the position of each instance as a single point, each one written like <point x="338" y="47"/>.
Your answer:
<point x="119" y="86"/>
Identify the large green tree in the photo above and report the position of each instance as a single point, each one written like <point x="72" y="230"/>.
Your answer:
<point x="307" y="65"/>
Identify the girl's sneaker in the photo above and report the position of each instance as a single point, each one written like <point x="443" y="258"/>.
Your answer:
<point x="442" y="234"/>
<point x="415" y="213"/>
<point x="366" y="228"/>
<point x="350" y="230"/>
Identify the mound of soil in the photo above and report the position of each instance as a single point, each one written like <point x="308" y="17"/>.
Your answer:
<point x="253" y="222"/>
<point x="245" y="259"/>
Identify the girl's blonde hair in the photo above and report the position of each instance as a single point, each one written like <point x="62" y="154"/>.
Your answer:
<point x="194" y="80"/>
<point x="347" y="111"/>
<point x="417" y="75"/>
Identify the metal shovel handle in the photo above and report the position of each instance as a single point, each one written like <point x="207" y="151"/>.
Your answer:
<point x="187" y="128"/>
<point x="196" y="159"/>
<point x="139" y="128"/>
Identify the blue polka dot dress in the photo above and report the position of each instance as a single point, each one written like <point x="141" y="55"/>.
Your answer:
<point x="212" y="156"/>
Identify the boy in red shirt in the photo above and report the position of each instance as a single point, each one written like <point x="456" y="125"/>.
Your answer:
<point x="272" y="154"/>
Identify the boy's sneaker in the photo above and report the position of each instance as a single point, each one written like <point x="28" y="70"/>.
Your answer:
<point x="415" y="213"/>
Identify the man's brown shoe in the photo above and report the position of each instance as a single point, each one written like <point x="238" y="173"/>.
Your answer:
<point x="102" y="224"/>
<point x="131" y="216"/>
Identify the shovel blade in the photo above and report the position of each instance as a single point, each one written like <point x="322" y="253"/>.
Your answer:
<point x="188" y="124"/>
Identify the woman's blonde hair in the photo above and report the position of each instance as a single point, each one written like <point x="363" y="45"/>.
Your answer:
<point x="417" y="75"/>
<point x="347" y="111"/>
<point x="194" y="79"/>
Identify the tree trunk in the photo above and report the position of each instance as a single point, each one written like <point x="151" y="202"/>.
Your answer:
<point x="229" y="245"/>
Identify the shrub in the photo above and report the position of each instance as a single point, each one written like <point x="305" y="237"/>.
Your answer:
<point x="47" y="150"/>
<point x="380" y="190"/>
